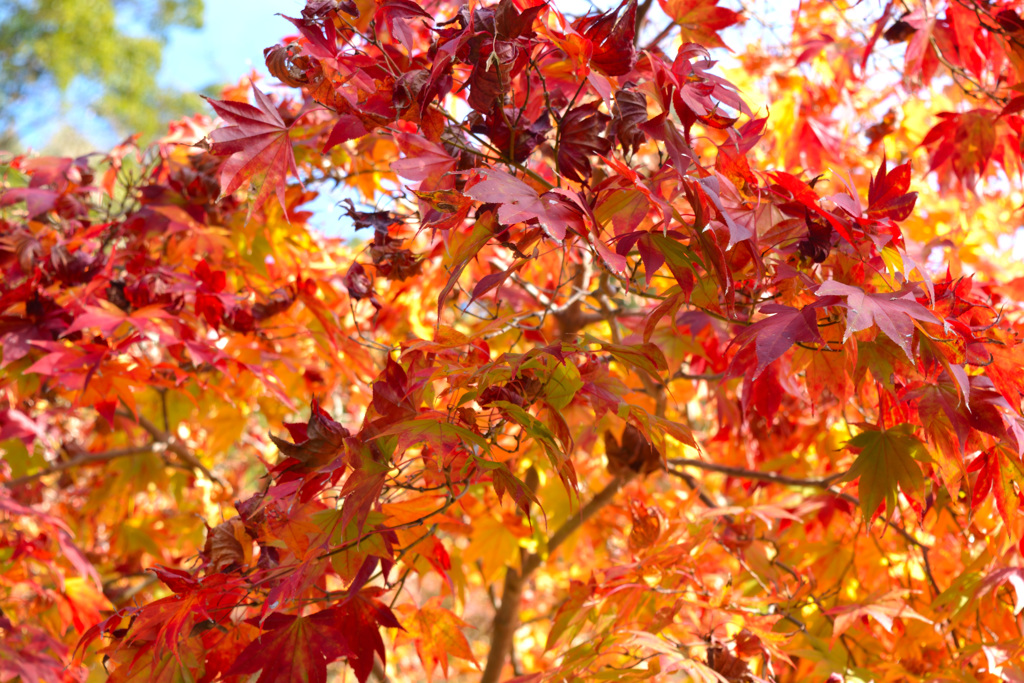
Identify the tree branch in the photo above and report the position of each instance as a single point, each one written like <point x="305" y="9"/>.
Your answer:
<point x="825" y="483"/>
<point x="641" y="18"/>
<point x="81" y="460"/>
<point x="661" y="36"/>
<point x="506" y="620"/>
<point x="695" y="486"/>
<point x="743" y="473"/>
<point x="602" y="498"/>
<point x="173" y="445"/>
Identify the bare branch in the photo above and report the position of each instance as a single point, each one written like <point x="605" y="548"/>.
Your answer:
<point x="742" y="473"/>
<point x="825" y="483"/>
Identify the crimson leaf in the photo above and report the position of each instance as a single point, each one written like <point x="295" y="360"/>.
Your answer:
<point x="293" y="649"/>
<point x="317" y="442"/>
<point x="773" y="336"/>
<point x="888" y="196"/>
<point x="258" y="144"/>
<point x="629" y="114"/>
<point x="612" y="35"/>
<point x="397" y="14"/>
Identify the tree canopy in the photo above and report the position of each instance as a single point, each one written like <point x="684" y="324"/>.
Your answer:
<point x="649" y="367"/>
<point x="113" y="45"/>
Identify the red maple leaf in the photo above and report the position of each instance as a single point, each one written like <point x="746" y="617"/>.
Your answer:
<point x="966" y="141"/>
<point x="520" y="203"/>
<point x="294" y="649"/>
<point x="397" y="14"/>
<point x="579" y="138"/>
<point x="612" y="36"/>
<point x="773" y="336"/>
<point x="629" y="114"/>
<point x="701" y="20"/>
<point x="360" y="618"/>
<point x="258" y="144"/>
<point x="316" y="442"/>
<point x="888" y="196"/>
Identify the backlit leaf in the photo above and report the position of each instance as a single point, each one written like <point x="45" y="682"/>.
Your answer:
<point x="258" y="147"/>
<point x="887" y="462"/>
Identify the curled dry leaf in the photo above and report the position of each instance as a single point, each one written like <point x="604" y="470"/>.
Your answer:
<point x="635" y="454"/>
<point x="228" y="545"/>
<point x="646" y="527"/>
<point x="730" y="667"/>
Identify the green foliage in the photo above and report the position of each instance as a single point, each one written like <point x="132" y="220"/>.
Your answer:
<point x="51" y="43"/>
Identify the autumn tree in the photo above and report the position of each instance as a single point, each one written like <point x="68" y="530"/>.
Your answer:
<point x="648" y="367"/>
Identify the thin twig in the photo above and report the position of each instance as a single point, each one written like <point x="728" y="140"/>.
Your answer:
<point x="743" y="473"/>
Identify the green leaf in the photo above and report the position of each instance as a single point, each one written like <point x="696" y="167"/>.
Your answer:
<point x="347" y="562"/>
<point x="646" y="357"/>
<point x="16" y="456"/>
<point x="562" y="386"/>
<point x="531" y="425"/>
<point x="435" y="429"/>
<point x="677" y="255"/>
<point x="542" y="434"/>
<point x="885" y="463"/>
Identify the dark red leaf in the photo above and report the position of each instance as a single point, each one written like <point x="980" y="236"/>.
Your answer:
<point x="391" y="393"/>
<point x="612" y="35"/>
<point x="888" y="196"/>
<point x="360" y="618"/>
<point x="629" y="114"/>
<point x="295" y="649"/>
<point x="579" y="138"/>
<point x="178" y="580"/>
<point x="491" y="79"/>
<point x="525" y="138"/>
<point x="634" y="454"/>
<point x="397" y="14"/>
<point x="510" y="23"/>
<point x="359" y="285"/>
<point x="322" y="440"/>
<point x="347" y="128"/>
<point x="773" y="336"/>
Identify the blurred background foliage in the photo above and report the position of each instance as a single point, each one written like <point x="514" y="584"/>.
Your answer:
<point x="107" y="51"/>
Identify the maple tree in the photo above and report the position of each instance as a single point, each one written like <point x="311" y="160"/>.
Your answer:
<point x="637" y="376"/>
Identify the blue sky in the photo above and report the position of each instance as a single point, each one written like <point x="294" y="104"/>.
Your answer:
<point x="230" y="43"/>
